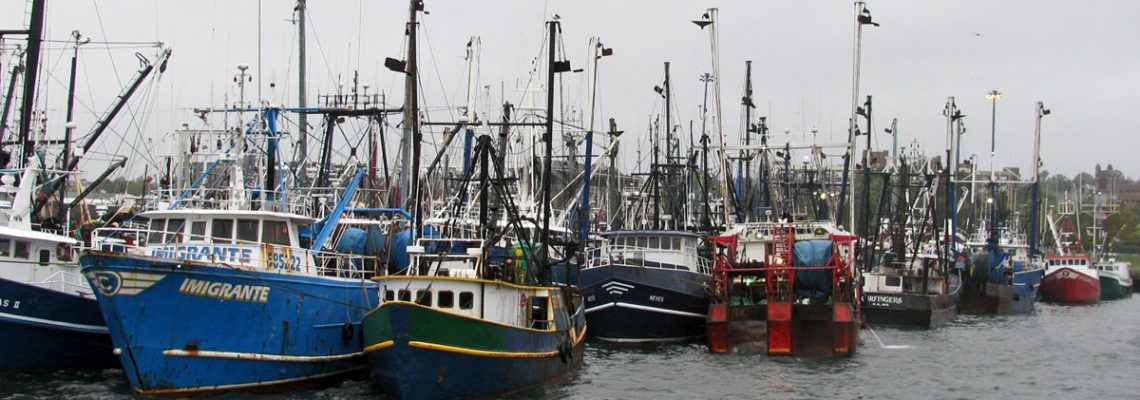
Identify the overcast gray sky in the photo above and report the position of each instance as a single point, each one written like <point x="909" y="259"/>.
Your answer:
<point x="1079" y="58"/>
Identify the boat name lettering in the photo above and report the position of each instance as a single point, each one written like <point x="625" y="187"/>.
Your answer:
<point x="659" y="299"/>
<point x="225" y="291"/>
<point x="9" y="303"/>
<point x="884" y="300"/>
<point x="204" y="252"/>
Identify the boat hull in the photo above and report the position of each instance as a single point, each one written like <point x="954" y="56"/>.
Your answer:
<point x="44" y="330"/>
<point x="909" y="310"/>
<point x="1018" y="296"/>
<point x="417" y="352"/>
<point x="1064" y="285"/>
<point x="632" y="305"/>
<point x="182" y="327"/>
<point x="1112" y="289"/>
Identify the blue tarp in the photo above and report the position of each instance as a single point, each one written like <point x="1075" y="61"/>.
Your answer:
<point x="812" y="253"/>
<point x="352" y="241"/>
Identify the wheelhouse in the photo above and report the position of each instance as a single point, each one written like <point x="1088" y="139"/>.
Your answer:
<point x="651" y="249"/>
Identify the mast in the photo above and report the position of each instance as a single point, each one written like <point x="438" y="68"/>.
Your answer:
<point x="654" y="173"/>
<point x="597" y="51"/>
<point x="865" y="229"/>
<point x="707" y="220"/>
<point x="412" y="117"/>
<point x="548" y="138"/>
<point x="668" y="142"/>
<point x="715" y="38"/>
<point x="302" y="97"/>
<point x="862" y="17"/>
<point x="35" y="39"/>
<point x="70" y="122"/>
<point x="1033" y="202"/>
<point x="747" y="160"/>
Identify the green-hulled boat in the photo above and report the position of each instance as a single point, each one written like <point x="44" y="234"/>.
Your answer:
<point x="457" y="332"/>
<point x="1115" y="281"/>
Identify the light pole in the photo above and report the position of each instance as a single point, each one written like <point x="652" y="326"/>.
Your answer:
<point x="993" y="96"/>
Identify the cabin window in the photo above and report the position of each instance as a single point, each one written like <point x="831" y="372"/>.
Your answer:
<point x="404" y="295"/>
<point x="466" y="300"/>
<point x="642" y="242"/>
<point x="894" y="281"/>
<point x="156" y="227"/>
<point x="446" y="299"/>
<point x="389" y="295"/>
<point x="5" y="247"/>
<point x="222" y="231"/>
<point x="198" y="231"/>
<point x="174" y="228"/>
<point x="22" y="250"/>
<point x="45" y="256"/>
<point x="247" y="231"/>
<point x="275" y="232"/>
<point x="423" y="297"/>
<point x="538" y="311"/>
<point x="655" y="243"/>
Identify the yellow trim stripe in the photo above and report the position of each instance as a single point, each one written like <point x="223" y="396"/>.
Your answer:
<point x="207" y="389"/>
<point x="379" y="346"/>
<point x="482" y="353"/>
<point x="256" y="356"/>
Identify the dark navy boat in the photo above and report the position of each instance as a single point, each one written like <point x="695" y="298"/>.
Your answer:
<point x="48" y="315"/>
<point x="646" y="286"/>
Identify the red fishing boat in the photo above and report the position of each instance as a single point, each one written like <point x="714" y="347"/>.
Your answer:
<point x="784" y="289"/>
<point x="1069" y="278"/>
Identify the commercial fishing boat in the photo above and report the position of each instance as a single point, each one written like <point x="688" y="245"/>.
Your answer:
<point x="1001" y="267"/>
<point x="1069" y="276"/>
<point x="649" y="282"/>
<point x="49" y="318"/>
<point x="221" y="290"/>
<point x="784" y="288"/>
<point x="646" y="286"/>
<point x="910" y="282"/>
<point x="1002" y="277"/>
<point x="475" y="313"/>
<point x="48" y="314"/>
<point x="1115" y="281"/>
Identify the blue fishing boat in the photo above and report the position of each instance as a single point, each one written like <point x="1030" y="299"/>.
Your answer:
<point x="1001" y="277"/>
<point x="222" y="289"/>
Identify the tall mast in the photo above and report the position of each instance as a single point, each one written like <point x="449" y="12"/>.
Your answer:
<point x="548" y="138"/>
<point x="715" y="39"/>
<point x="862" y="17"/>
<point x="69" y="128"/>
<point x="668" y="147"/>
<point x="412" y="116"/>
<point x="302" y="96"/>
<point x="747" y="162"/>
<point x="35" y="39"/>
<point x="1036" y="168"/>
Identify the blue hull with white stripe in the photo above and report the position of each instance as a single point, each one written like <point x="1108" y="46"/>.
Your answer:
<point x="637" y="304"/>
<point x="190" y="327"/>
<point x="43" y="329"/>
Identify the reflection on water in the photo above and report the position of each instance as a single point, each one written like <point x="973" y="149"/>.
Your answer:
<point x="1088" y="352"/>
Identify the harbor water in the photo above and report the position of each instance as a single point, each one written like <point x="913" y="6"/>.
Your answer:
<point x="1090" y="352"/>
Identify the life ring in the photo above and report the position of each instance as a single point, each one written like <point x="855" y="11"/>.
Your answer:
<point x="63" y="252"/>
